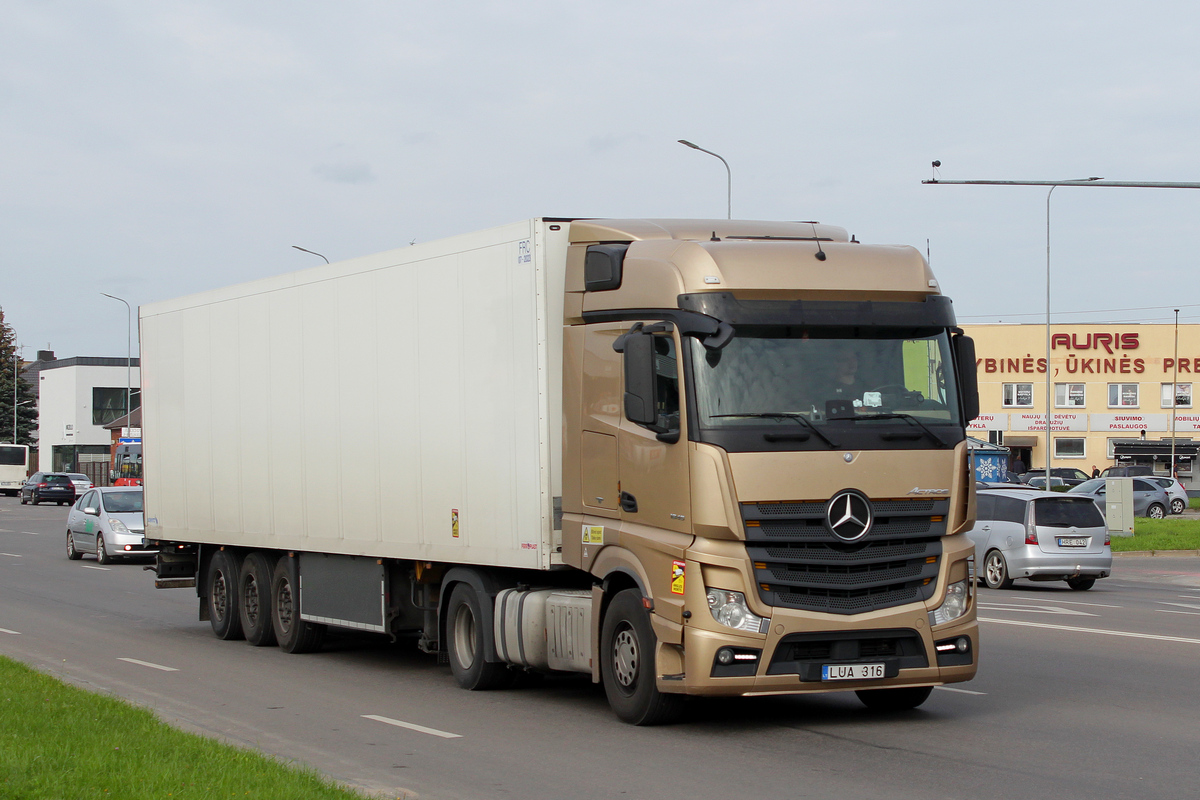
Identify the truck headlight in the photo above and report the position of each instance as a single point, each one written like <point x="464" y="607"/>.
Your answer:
<point x="730" y="609"/>
<point x="953" y="607"/>
<point x="116" y="526"/>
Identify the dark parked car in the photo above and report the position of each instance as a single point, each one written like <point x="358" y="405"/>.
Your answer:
<point x="53" y="487"/>
<point x="1070" y="475"/>
<point x="1126" y="472"/>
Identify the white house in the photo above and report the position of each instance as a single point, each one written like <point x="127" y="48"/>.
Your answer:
<point x="76" y="397"/>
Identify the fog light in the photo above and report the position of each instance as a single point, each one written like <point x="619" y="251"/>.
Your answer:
<point x="128" y="547"/>
<point x="962" y="644"/>
<point x="724" y="656"/>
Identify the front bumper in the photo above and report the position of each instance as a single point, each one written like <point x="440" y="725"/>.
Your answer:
<point x="791" y="656"/>
<point x="128" y="544"/>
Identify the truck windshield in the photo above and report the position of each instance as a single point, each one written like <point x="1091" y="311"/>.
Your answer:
<point x="850" y="386"/>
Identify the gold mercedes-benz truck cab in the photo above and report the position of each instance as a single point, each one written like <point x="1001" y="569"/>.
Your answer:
<point x="764" y="448"/>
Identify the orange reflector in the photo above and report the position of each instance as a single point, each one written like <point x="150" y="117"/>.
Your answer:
<point x="931" y="560"/>
<point x="759" y="565"/>
<point x="764" y="587"/>
<point x="938" y="518"/>
<point x="753" y="524"/>
<point x="927" y="580"/>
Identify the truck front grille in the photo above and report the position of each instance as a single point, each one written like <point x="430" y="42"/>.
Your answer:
<point x="799" y="563"/>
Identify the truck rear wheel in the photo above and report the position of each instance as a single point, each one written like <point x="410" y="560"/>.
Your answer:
<point x="254" y="600"/>
<point x="627" y="645"/>
<point x="464" y="641"/>
<point x="894" y="699"/>
<point x="222" y="595"/>
<point x="293" y="634"/>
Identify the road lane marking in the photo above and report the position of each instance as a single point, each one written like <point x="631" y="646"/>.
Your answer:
<point x="960" y="691"/>
<point x="89" y="566"/>
<point x="10" y="555"/>
<point x="412" y="727"/>
<point x="1129" y="634"/>
<point x="1036" y="609"/>
<point x="1077" y="603"/>
<point x="148" y="664"/>
<point x="1181" y="605"/>
<point x="32" y="533"/>
<point x="6" y="630"/>
<point x="1169" y="611"/>
<point x="1189" y="596"/>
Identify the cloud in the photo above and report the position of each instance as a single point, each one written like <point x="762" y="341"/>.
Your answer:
<point x="345" y="173"/>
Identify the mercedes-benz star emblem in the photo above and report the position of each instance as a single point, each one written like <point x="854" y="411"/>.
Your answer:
<point x="848" y="515"/>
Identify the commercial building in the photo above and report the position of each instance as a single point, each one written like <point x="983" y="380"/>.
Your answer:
<point x="77" y="397"/>
<point x="1119" y="391"/>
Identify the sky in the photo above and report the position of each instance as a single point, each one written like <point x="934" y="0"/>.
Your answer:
<point x="156" y="149"/>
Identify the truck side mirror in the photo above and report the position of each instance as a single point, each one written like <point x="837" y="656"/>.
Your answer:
<point x="968" y="385"/>
<point x="641" y="389"/>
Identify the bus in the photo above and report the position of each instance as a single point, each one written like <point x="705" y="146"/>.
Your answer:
<point x="127" y="465"/>
<point x="14" y="467"/>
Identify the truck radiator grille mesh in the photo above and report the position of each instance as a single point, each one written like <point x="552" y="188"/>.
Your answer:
<point x="799" y="562"/>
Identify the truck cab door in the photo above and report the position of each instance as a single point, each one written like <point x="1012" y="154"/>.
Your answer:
<point x="651" y="448"/>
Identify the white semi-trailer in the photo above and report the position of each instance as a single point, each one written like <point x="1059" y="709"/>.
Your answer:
<point x="684" y="457"/>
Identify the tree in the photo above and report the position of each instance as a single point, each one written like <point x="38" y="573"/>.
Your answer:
<point x="10" y="371"/>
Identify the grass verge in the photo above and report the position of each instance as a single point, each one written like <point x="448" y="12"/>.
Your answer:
<point x="1160" y="534"/>
<point x="58" y="741"/>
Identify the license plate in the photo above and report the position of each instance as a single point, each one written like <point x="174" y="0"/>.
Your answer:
<point x="851" y="672"/>
<point x="1064" y="541"/>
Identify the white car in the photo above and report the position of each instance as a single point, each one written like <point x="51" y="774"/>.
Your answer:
<point x="109" y="523"/>
<point x="1175" y="491"/>
<point x="81" y="482"/>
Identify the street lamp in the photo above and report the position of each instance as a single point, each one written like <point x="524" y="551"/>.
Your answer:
<point x="310" y="252"/>
<point x="128" y="359"/>
<point x="1054" y="185"/>
<point x="728" y="175"/>
<point x="1174" y="393"/>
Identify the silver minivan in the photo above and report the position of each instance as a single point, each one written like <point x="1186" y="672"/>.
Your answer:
<point x="1041" y="536"/>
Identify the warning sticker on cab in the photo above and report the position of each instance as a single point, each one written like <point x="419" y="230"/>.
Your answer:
<point x="593" y="534"/>
<point x="677" y="577"/>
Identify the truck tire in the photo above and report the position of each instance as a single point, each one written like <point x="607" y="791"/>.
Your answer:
<point x="222" y="595"/>
<point x="254" y="600"/>
<point x="894" y="699"/>
<point x="293" y="634"/>
<point x="464" y="641"/>
<point x="627" y="646"/>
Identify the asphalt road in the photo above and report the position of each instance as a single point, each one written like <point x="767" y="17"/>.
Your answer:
<point x="1079" y="695"/>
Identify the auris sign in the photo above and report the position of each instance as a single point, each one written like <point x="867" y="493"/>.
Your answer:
<point x="1088" y="354"/>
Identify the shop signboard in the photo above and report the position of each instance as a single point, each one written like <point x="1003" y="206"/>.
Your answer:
<point x="1132" y="423"/>
<point x="1037" y="422"/>
<point x="989" y="422"/>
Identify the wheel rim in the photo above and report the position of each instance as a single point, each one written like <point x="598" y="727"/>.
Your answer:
<point x="1177" y="506"/>
<point x="220" y="595"/>
<point x="100" y="554"/>
<point x="284" y="605"/>
<point x="250" y="600"/>
<point x="1156" y="513"/>
<point x="625" y="658"/>
<point x="464" y="637"/>
<point x="70" y="545"/>
<point x="994" y="569"/>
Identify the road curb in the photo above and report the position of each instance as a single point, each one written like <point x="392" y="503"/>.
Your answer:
<point x="1149" y="553"/>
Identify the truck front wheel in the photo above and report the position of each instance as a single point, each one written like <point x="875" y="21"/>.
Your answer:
<point x="894" y="699"/>
<point x="293" y="634"/>
<point x="627" y="645"/>
<point x="222" y="595"/>
<point x="254" y="600"/>
<point x="464" y="635"/>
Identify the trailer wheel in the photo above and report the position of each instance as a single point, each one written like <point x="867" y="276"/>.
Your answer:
<point x="464" y="640"/>
<point x="894" y="699"/>
<point x="627" y="645"/>
<point x="293" y="634"/>
<point x="222" y="595"/>
<point x="254" y="600"/>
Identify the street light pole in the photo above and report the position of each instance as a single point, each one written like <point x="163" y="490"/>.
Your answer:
<point x="128" y="359"/>
<point x="728" y="175"/>
<point x="1174" y="393"/>
<point x="310" y="252"/>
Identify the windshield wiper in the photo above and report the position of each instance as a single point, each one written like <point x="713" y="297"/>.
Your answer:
<point x="800" y="418"/>
<point x="908" y="418"/>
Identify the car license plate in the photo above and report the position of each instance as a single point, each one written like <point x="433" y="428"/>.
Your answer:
<point x="851" y="672"/>
<point x="1075" y="541"/>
